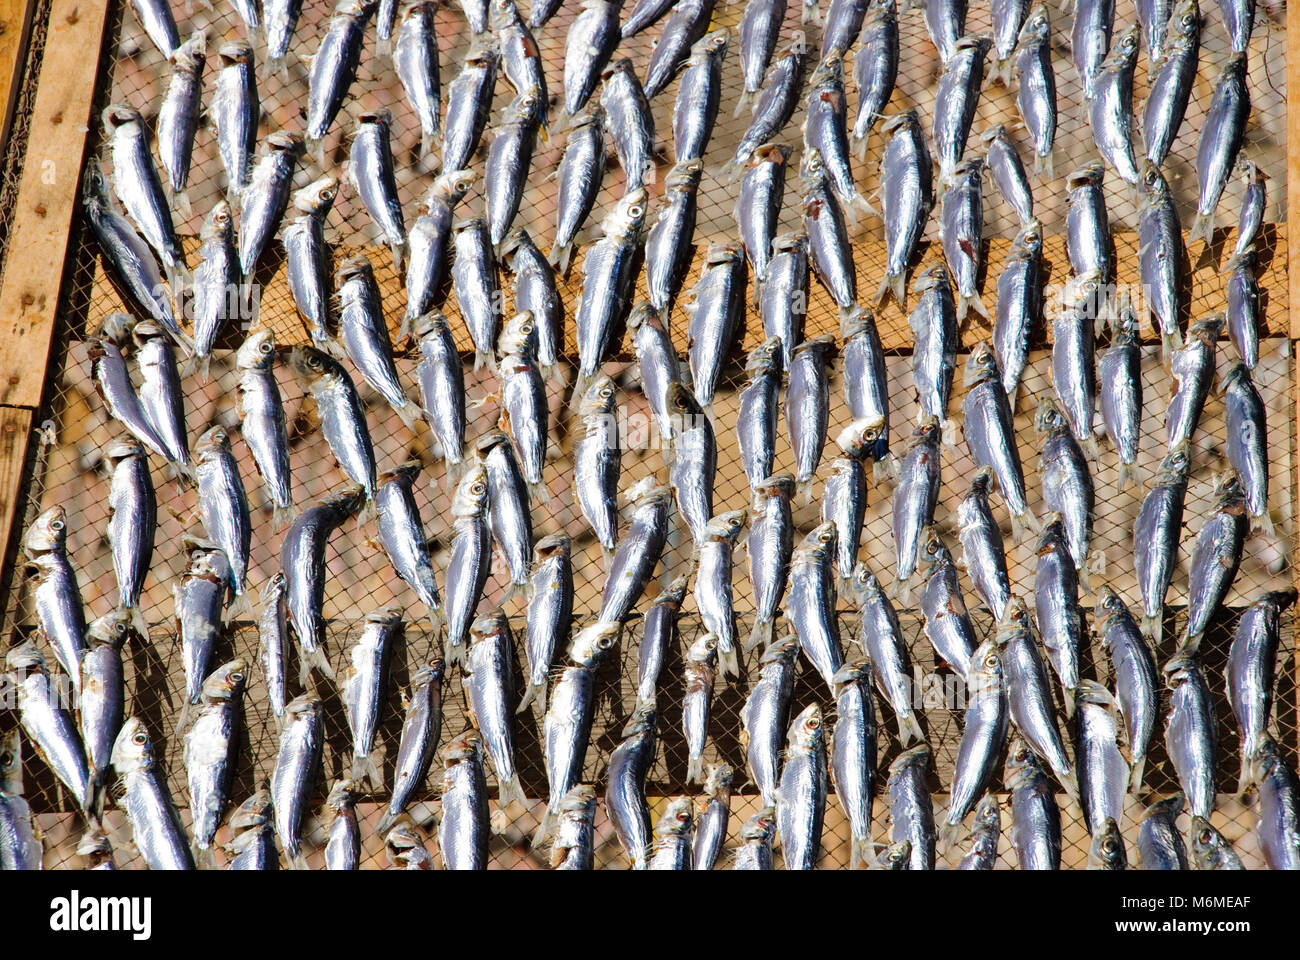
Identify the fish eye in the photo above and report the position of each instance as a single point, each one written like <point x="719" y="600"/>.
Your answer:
<point x="119" y="628"/>
<point x="477" y="488"/>
<point x="6" y="759"/>
<point x="237" y="676"/>
<point x="683" y="816"/>
<point x="604" y="643"/>
<point x="607" y="391"/>
<point x="813" y="723"/>
<point x="56" y="525"/>
<point x="825" y="537"/>
<point x="992" y="662"/>
<point x="1205" y="836"/>
<point x="140" y="739"/>
<point x="635" y="210"/>
<point x="266" y="346"/>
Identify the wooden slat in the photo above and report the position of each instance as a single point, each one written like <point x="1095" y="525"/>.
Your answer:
<point x="47" y="197"/>
<point x="15" y="429"/>
<point x="15" y="22"/>
<point x="1292" y="159"/>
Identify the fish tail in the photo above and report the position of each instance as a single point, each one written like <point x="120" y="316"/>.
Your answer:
<point x="538" y="493"/>
<point x="453" y="652"/>
<point x="900" y="590"/>
<point x="743" y="102"/>
<point x="367" y="512"/>
<point x="184" y="475"/>
<point x="1024" y="524"/>
<point x="560" y="256"/>
<point x="860" y="146"/>
<point x="529" y="696"/>
<point x="316" y="149"/>
<point x="183" y="718"/>
<point x="199" y="366"/>
<point x="399" y="256"/>
<point x="1067" y="698"/>
<point x="729" y="660"/>
<point x="409" y="414"/>
<point x="966" y="304"/>
<point x="760" y="636"/>
<point x="1152" y="627"/>
<point x="204" y="857"/>
<point x="365" y="768"/>
<point x="296" y="860"/>
<point x="948" y="835"/>
<point x="909" y="729"/>
<point x="1263" y="524"/>
<point x="948" y="430"/>
<point x="386" y="821"/>
<point x="510" y="793"/>
<point x="1130" y="475"/>
<point x="811" y="13"/>
<point x="892" y="286"/>
<point x="885" y="470"/>
<point x="316" y="658"/>
<point x="384" y="48"/>
<point x="1068" y="783"/>
<point x="1045" y="166"/>
<point x="281" y="517"/>
<point x="1067" y="8"/>
<point x="608" y="554"/>
<point x="1085" y="581"/>
<point x="181" y="204"/>
<point x="730" y="171"/>
<point x="862" y="850"/>
<point x="139" y="623"/>
<point x="1135" y="778"/>
<point x="1202" y="229"/>
<point x="241" y="607"/>
<point x="1170" y="340"/>
<point x="862" y="205"/>
<point x="544" y="829"/>
<point x="695" y="769"/>
<point x="271" y="66"/>
<point x="804" y="491"/>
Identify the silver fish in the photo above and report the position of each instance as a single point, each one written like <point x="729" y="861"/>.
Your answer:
<point x="223" y="506"/>
<point x="982" y="736"/>
<point x="343" y="846"/>
<point x="1110" y="106"/>
<point x="1191" y="731"/>
<point x="566" y="729"/>
<point x="471" y="557"/>
<point x="469" y="104"/>
<point x="520" y="55"/>
<point x="669" y="245"/>
<point x="575" y="837"/>
<point x="429" y="243"/>
<point x="1119" y="381"/>
<point x="910" y="809"/>
<point x="1156" y="534"/>
<point x="842" y="23"/>
<point x="713" y="585"/>
<point x="199" y="601"/>
<point x="934" y="326"/>
<point x="415" y="58"/>
<point x="421" y="728"/>
<point x="507" y="499"/>
<point x="1066" y="485"/>
<point x="1192" y="367"/>
<point x="1216" y="555"/>
<point x="760" y="29"/>
<point x="334" y="65"/>
<point x="1103" y="772"/>
<point x="463" y="828"/>
<point x="955" y="102"/>
<point x="947" y="624"/>
<point x="132" y="526"/>
<point x="273" y="644"/>
<point x="629" y="124"/>
<point x="608" y="281"/>
<point x="672" y="843"/>
<point x="766" y="716"/>
<point x="638" y="552"/>
<point x="1020" y="306"/>
<point x="1036" y="88"/>
<point x="1211" y="849"/>
<point x="700" y="670"/>
<point x="1245" y="313"/>
<point x="875" y="69"/>
<point x="371" y="173"/>
<point x="828" y="235"/>
<point x="302" y="561"/>
<point x="510" y="155"/>
<point x="343" y="420"/>
<point x="307" y="259"/>
<point x="866" y="391"/>
<point x="807" y="407"/>
<point x="1160" y="845"/>
<point x="1074" y="365"/>
<point x="155" y="825"/>
<point x="535" y="292"/>
<point x="625" y="801"/>
<point x="1221" y="140"/>
<point x="881" y="636"/>
<point x="1008" y="172"/>
<point x="235" y="110"/>
<point x="810" y="601"/>
<point x="717" y="315"/>
<point x="801" y="795"/>
<point x="138" y="188"/>
<point x="1171" y="83"/>
<point x="297" y="765"/>
<point x="582" y="168"/>
<point x="783" y="298"/>
<point x="1160" y="256"/>
<point x="984" y="837"/>
<point x="178" y="116"/>
<point x="758" y="207"/>
<point x="1029" y="694"/>
<point x="687" y="24"/>
<point x="262" y="421"/>
<point x="210" y="747"/>
<point x="128" y="257"/>
<point x="477" y="287"/>
<point x="21" y="847"/>
<point x="825" y="129"/>
<point x="550" y="613"/>
<point x="712" y="812"/>
<point x="541" y="11"/>
<point x="1134" y="669"/>
<point x="1107" y="849"/>
<point x="1279" y="794"/>
<point x="597" y="463"/>
<point x="916" y="496"/>
<point x="844" y="503"/>
<point x="592" y="39"/>
<point x="769" y="547"/>
<point x="698" y="94"/>
<point x="1088" y="237"/>
<point x="215" y="280"/>
<point x="103" y="691"/>
<point x="776" y="104"/>
<point x="982" y="547"/>
<point x="1035" y="817"/>
<point x="161" y="398"/>
<point x="489" y="685"/>
<point x="757" y="416"/>
<point x="991" y="438"/>
<point x="159" y="24"/>
<point x="908" y="177"/>
<point x="281" y="18"/>
<point x="524" y="408"/>
<point x="658" y="636"/>
<point x="266" y="198"/>
<point x="47" y="721"/>
<point x="1250" y="672"/>
<point x="1239" y="21"/>
<point x="1247" y="441"/>
<point x="1254" y="203"/>
<point x="694" y="460"/>
<point x="645" y="13"/>
<point x="853" y="754"/>
<point x="1094" y="22"/>
<point x="1056" y="606"/>
<point x="60" y="611"/>
<point x="961" y="227"/>
<point x="442" y="387"/>
<point x="363" y="688"/>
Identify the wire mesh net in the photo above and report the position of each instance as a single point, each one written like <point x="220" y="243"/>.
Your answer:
<point x="70" y="470"/>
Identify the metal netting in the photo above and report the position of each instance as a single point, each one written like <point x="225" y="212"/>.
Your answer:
<point x="360" y="579"/>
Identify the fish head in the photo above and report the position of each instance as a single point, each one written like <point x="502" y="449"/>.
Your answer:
<point x="1052" y="539"/>
<point x="112" y="629"/>
<point x="861" y="437"/>
<point x="1109" y="603"/>
<point x="986" y="670"/>
<point x="118" y="116"/>
<point x="897" y="856"/>
<point x="1185" y="23"/>
<point x="11" y="762"/>
<point x="489" y="628"/>
<point x="502" y="13"/>
<point x="806" y="732"/>
<point x="677" y="819"/>
<point x="703" y="649"/>
<point x="1029" y="241"/>
<point x="465" y="748"/>
<point x="1210" y="848"/>
<point x="1267" y="759"/>
<point x="551" y="545"/>
<point x="812" y="169"/>
<point x="227" y="682"/>
<point x="354" y="268"/>
<point x="971" y="46"/>
<point x="1015" y="618"/>
<point x="761" y="826"/>
<point x="402" y="839"/>
<point x="593" y="643"/>
<point x="1154" y="184"/>
<point x="820" y="541"/>
<point x="982" y="365"/>
<point x="235" y="53"/>
<point x="1228" y="490"/>
<point x="643" y="315"/>
<point x="188" y="57"/>
<point x="726" y="526"/>
<point x="1207" y="329"/>
<point x="528" y="107"/>
<point x="780" y="485"/>
<point x="674" y="592"/>
<point x="712" y="44"/>
<point x="644" y="718"/>
<point x="214" y="442"/>
<point x="1107" y="850"/>
<point x="981" y="483"/>
<point x="1125" y="48"/>
<point x="862" y="585"/>
<point x="48" y="532"/>
<point x="304" y="707"/>
<point x="1182" y="666"/>
<point x="629" y="214"/>
<point x="520" y="337"/>
<point x="1022" y="764"/>
<point x="429" y="673"/>
<point x="117" y="328"/>
<point x="764" y="359"/>
<point x="1087" y="176"/>
<point x="470" y="499"/>
<point x="718" y="780"/>
<point x="934" y="552"/>
<point x="133" y="750"/>
<point x="855" y="671"/>
<point x="450" y="187"/>
<point x="1038" y="26"/>
<point x="94" y="843"/>
<point x="253" y="812"/>
<point x="580" y="802"/>
<point x="342" y="795"/>
<point x="317" y="197"/>
<point x="219" y="223"/>
<point x="785" y="649"/>
<point x="684" y="177"/>
<point x="685" y="410"/>
<point x="1176" y="465"/>
<point x="281" y="141"/>
<point x="795" y="242"/>
<point x="988" y="815"/>
<point x="1049" y="419"/>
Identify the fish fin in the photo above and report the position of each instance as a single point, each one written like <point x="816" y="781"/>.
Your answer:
<point x="1202" y="229"/>
<point x="743" y="102"/>
<point x="729" y="661"/>
<point x="1024" y="524"/>
<point x="1263" y="524"/>
<point x="760" y="636"/>
<point x="386" y="822"/>
<point x="949" y="433"/>
<point x="811" y="13"/>
<point x="139" y="623"/>
<point x="695" y="770"/>
<point x="1130" y="475"/>
<point x="282" y="517"/>
<point x="892" y="286"/>
<point x="1045" y="167"/>
<point x="1135" y="778"/>
<point x="511" y="794"/>
<point x="859" y="147"/>
<point x="909" y="729"/>
<point x="369" y="769"/>
<point x="544" y="829"/>
<point x="885" y="470"/>
<point x="204" y="857"/>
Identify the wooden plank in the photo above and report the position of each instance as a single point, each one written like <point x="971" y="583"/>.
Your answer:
<point x="47" y="198"/>
<point x="15" y="26"/>
<point x="1292" y="159"/>
<point x="15" y="432"/>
